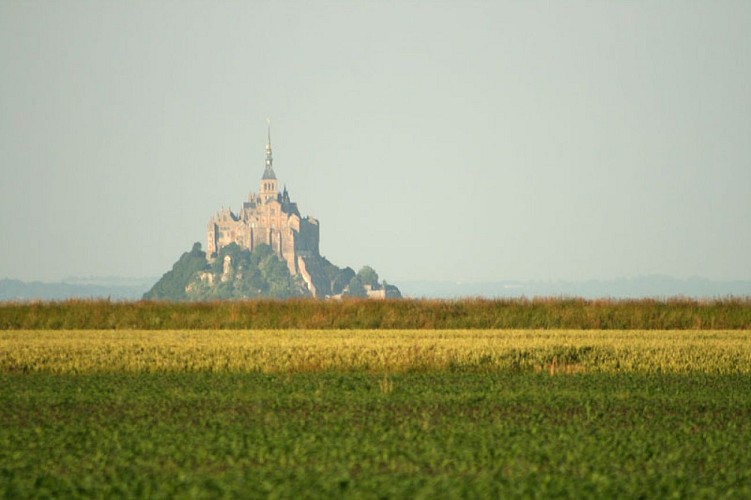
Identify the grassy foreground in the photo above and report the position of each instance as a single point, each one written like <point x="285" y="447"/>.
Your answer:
<point x="498" y="435"/>
<point x="373" y="414"/>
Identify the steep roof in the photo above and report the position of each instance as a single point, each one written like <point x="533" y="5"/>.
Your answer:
<point x="268" y="172"/>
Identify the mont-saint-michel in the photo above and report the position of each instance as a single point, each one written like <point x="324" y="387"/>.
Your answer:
<point x="266" y="249"/>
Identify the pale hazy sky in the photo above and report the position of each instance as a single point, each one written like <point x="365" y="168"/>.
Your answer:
<point x="433" y="140"/>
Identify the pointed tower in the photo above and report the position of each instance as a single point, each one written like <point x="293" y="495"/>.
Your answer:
<point x="268" y="189"/>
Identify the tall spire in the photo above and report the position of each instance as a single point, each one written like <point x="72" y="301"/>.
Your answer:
<point x="268" y="172"/>
<point x="269" y="159"/>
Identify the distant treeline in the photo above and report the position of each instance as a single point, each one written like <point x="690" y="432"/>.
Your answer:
<point x="731" y="313"/>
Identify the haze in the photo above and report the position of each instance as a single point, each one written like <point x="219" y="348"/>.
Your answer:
<point x="446" y="141"/>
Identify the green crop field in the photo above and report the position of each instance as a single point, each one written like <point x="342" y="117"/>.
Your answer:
<point x="373" y="413"/>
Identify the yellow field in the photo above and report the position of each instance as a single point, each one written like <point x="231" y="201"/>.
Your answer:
<point x="558" y="351"/>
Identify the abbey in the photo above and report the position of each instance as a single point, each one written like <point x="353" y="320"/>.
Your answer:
<point x="268" y="217"/>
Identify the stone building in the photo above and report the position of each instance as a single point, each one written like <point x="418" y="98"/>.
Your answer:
<point x="268" y="217"/>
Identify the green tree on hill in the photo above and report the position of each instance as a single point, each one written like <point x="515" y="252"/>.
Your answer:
<point x="248" y="275"/>
<point x="356" y="288"/>
<point x="172" y="284"/>
<point x="341" y="278"/>
<point x="368" y="276"/>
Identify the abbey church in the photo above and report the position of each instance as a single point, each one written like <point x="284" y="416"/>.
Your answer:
<point x="269" y="217"/>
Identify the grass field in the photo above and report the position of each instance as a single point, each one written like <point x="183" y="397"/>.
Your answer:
<point x="480" y="413"/>
<point x="409" y="314"/>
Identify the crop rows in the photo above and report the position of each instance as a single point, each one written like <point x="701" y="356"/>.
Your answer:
<point x="376" y="351"/>
<point x="358" y="435"/>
